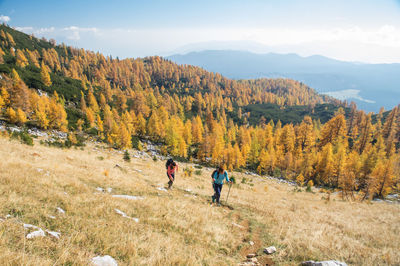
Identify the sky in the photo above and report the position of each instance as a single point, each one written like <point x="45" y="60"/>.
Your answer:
<point x="350" y="30"/>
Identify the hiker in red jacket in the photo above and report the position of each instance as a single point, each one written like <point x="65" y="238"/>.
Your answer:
<point x="172" y="167"/>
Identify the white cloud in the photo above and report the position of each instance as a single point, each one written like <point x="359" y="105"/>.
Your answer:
<point x="4" y="18"/>
<point x="25" y="29"/>
<point x="380" y="44"/>
<point x="73" y="32"/>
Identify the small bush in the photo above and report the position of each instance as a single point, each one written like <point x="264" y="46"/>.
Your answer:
<point x="197" y="172"/>
<point x="23" y="136"/>
<point x="233" y="179"/>
<point x="244" y="180"/>
<point x="300" y="180"/>
<point x="277" y="172"/>
<point x="135" y="142"/>
<point x="100" y="158"/>
<point x="198" y="166"/>
<point x="127" y="158"/>
<point x="188" y="171"/>
<point x="310" y="184"/>
<point x="155" y="158"/>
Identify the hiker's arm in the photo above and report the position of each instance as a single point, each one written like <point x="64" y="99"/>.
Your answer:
<point x="169" y="176"/>
<point x="226" y="177"/>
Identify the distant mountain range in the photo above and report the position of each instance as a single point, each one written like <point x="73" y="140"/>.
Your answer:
<point x="371" y="86"/>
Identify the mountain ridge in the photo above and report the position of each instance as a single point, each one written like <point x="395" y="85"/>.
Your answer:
<point x="324" y="74"/>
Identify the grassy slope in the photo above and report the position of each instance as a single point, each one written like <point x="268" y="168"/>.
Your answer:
<point x="174" y="228"/>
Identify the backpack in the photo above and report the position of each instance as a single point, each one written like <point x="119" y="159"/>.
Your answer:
<point x="213" y="173"/>
<point x="168" y="163"/>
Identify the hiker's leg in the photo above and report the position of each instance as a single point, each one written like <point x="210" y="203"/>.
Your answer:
<point x="171" y="181"/>
<point x="218" y="188"/>
<point x="215" y="193"/>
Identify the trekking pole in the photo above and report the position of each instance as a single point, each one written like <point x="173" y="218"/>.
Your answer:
<point x="227" y="196"/>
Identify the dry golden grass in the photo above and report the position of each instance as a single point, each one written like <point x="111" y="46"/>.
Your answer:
<point x="175" y="227"/>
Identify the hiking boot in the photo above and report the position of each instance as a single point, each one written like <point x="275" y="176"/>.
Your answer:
<point x="213" y="198"/>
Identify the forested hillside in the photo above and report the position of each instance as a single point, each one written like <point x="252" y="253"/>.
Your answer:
<point x="196" y="115"/>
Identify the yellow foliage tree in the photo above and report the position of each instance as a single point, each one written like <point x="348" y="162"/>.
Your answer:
<point x="12" y="115"/>
<point x="45" y="76"/>
<point x="20" y="117"/>
<point x="21" y="59"/>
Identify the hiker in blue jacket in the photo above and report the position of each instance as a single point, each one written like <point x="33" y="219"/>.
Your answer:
<point x="218" y="177"/>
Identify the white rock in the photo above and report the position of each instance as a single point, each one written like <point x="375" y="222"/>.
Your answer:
<point x="38" y="233"/>
<point x="162" y="189"/>
<point x="126" y="216"/>
<point x="392" y="196"/>
<point x="52" y="217"/>
<point x="251" y="243"/>
<point x="237" y="225"/>
<point x="104" y="261"/>
<point x="323" y="263"/>
<point x="59" y="210"/>
<point x="253" y="260"/>
<point x="54" y="234"/>
<point x="188" y="190"/>
<point x="27" y="226"/>
<point x="128" y="197"/>
<point x="100" y="189"/>
<point x="109" y="189"/>
<point x="270" y="250"/>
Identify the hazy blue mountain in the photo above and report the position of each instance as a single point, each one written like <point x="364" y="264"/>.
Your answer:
<point x="369" y="85"/>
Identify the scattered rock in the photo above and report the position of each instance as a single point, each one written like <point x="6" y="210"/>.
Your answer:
<point x="35" y="154"/>
<point x="188" y="190"/>
<point x="59" y="210"/>
<point x="238" y="225"/>
<point x="128" y="197"/>
<point x="100" y="189"/>
<point x="126" y="216"/>
<point x="323" y="263"/>
<point x="270" y="250"/>
<point x="162" y="189"/>
<point x="392" y="196"/>
<point x="109" y="190"/>
<point x="251" y="243"/>
<point x="27" y="226"/>
<point x="254" y="261"/>
<point x="248" y="263"/>
<point x="251" y="255"/>
<point x="54" y="234"/>
<point x="52" y="217"/>
<point x="38" y="233"/>
<point x="104" y="261"/>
